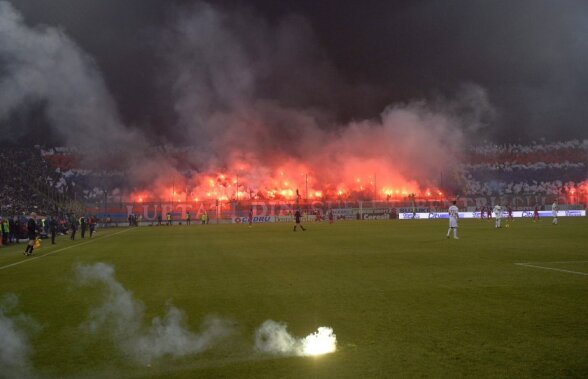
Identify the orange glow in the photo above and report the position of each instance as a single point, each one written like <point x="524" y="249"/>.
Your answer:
<point x="288" y="180"/>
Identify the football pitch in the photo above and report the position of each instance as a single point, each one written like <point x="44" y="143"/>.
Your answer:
<point x="402" y="300"/>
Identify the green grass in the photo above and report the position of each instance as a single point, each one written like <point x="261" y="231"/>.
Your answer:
<point x="403" y="301"/>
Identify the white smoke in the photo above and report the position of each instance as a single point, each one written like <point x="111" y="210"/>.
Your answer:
<point x="273" y="338"/>
<point x="234" y="88"/>
<point x="168" y="336"/>
<point x="15" y="350"/>
<point x="243" y="90"/>
<point x="42" y="64"/>
<point x="122" y="315"/>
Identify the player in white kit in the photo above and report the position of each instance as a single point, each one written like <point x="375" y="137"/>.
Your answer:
<point x="453" y="216"/>
<point x="554" y="209"/>
<point x="497" y="215"/>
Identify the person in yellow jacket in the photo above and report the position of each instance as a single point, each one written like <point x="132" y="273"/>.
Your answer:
<point x="5" y="228"/>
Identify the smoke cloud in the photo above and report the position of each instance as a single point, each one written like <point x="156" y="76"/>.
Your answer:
<point x="122" y="316"/>
<point x="236" y="80"/>
<point x="15" y="350"/>
<point x="42" y="64"/>
<point x="323" y="61"/>
<point x="273" y="338"/>
<point x="251" y="98"/>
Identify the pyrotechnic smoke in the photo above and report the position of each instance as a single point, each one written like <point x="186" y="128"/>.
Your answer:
<point x="273" y="338"/>
<point x="253" y="100"/>
<point x="122" y="315"/>
<point x="43" y="65"/>
<point x="221" y="76"/>
<point x="15" y="350"/>
<point x="249" y="102"/>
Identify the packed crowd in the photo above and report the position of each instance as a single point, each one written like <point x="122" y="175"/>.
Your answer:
<point x="560" y="151"/>
<point x="549" y="169"/>
<point x="22" y="171"/>
<point x="539" y="168"/>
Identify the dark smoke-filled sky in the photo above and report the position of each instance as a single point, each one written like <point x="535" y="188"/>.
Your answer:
<point x="165" y="68"/>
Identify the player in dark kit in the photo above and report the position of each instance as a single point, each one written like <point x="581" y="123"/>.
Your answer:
<point x="14" y="229"/>
<point x="83" y="226"/>
<point x="32" y="234"/>
<point x="536" y="213"/>
<point x="73" y="224"/>
<point x="53" y="228"/>
<point x="92" y="225"/>
<point x="297" y="217"/>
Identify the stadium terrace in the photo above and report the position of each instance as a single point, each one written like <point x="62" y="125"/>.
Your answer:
<point x="521" y="176"/>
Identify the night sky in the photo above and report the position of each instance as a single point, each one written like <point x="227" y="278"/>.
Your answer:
<point x="355" y="58"/>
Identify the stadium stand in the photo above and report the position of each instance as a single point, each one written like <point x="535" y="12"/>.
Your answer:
<point x="53" y="180"/>
<point x="30" y="184"/>
<point x="551" y="169"/>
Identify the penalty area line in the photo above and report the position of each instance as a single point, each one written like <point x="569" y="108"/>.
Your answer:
<point x="552" y="269"/>
<point x="62" y="249"/>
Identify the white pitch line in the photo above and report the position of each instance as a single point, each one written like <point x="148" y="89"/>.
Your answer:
<point x="560" y="262"/>
<point x="552" y="269"/>
<point x="63" y="249"/>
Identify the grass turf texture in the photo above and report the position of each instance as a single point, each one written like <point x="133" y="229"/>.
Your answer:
<point x="402" y="300"/>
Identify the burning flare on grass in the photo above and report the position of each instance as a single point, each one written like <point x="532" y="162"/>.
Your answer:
<point x="323" y="341"/>
<point x="272" y="337"/>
